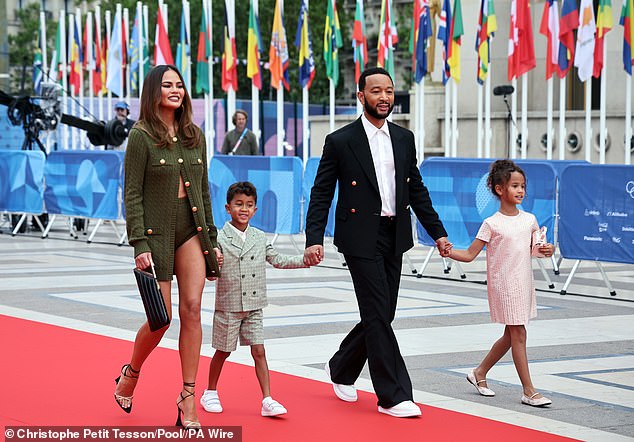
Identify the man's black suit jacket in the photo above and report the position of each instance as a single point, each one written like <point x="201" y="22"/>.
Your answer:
<point x="347" y="159"/>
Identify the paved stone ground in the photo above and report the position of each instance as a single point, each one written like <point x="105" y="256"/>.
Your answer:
<point x="581" y="347"/>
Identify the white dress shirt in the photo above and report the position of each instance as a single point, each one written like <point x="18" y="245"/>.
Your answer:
<point x="383" y="159"/>
<point x="242" y="235"/>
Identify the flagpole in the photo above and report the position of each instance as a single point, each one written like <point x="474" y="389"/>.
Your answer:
<point x="305" y="129"/>
<point x="332" y="105"/>
<point x="90" y="67"/>
<point x="108" y="31"/>
<point x="125" y="31"/>
<point x="141" y="43"/>
<point x="211" y="146"/>
<point x="63" y="68"/>
<point x="588" y="129"/>
<point x="188" y="77"/>
<point x="146" y="41"/>
<point x="549" y="120"/>
<point x="98" y="41"/>
<point x="524" y="115"/>
<point x="231" y="94"/>
<point x="454" y="119"/>
<point x="628" y="120"/>
<point x="73" y="103"/>
<point x="420" y="117"/>
<point x="447" y="118"/>
<point x="487" y="115"/>
<point x="255" y="96"/>
<point x="562" y="118"/>
<point x="479" y="119"/>
<point x="513" y="128"/>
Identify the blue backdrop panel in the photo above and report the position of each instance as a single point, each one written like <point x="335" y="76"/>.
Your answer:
<point x="279" y="184"/>
<point x="309" y="179"/>
<point x="83" y="183"/>
<point x="596" y="209"/>
<point x="459" y="192"/>
<point x="22" y="181"/>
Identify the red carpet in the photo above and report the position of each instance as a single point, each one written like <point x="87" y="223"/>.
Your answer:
<point x="58" y="376"/>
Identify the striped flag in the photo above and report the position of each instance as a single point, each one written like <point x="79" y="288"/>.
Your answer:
<point x="487" y="25"/>
<point x="388" y="38"/>
<point x="254" y="49"/>
<point x="278" y="51"/>
<point x="444" y="36"/>
<point x="104" y="66"/>
<point x="162" y="49"/>
<point x="359" y="42"/>
<point x="456" y="31"/>
<point x="183" y="48"/>
<point x="627" y="19"/>
<point x="204" y="51"/>
<point x="37" y="68"/>
<point x="304" y="45"/>
<point x="604" y="24"/>
<point x="114" y="82"/>
<point x="521" y="45"/>
<point x="76" y="61"/>
<point x="98" y="58"/>
<point x="584" y="60"/>
<point x="332" y="42"/>
<point x="55" y="73"/>
<point x="568" y="22"/>
<point x="229" y="56"/>
<point x="550" y="28"/>
<point x="421" y="31"/>
<point x="134" y="53"/>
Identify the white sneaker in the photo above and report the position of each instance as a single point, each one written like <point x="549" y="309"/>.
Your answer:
<point x="403" y="409"/>
<point x="211" y="402"/>
<point x="271" y="407"/>
<point x="346" y="393"/>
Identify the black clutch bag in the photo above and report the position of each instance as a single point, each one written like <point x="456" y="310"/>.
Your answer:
<point x="152" y="298"/>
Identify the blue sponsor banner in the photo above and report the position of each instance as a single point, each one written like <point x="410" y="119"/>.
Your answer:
<point x="22" y="181"/>
<point x="309" y="179"/>
<point x="83" y="183"/>
<point x="459" y="193"/>
<point x="279" y="184"/>
<point x="596" y="209"/>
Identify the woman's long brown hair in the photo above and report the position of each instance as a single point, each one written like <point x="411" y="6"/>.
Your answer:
<point x="149" y="116"/>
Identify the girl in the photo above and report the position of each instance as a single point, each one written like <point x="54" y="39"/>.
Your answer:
<point x="511" y="237"/>
<point x="169" y="224"/>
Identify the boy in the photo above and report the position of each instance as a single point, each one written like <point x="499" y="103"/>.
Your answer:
<point x="241" y="294"/>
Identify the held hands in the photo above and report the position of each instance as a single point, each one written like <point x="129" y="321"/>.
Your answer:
<point x="444" y="247"/>
<point x="313" y="255"/>
<point x="220" y="258"/>
<point x="143" y="260"/>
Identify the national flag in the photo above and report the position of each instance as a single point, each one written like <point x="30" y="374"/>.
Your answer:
<point x="114" y="80"/>
<point x="521" y="45"/>
<point x="568" y="22"/>
<point x="55" y="73"/>
<point x="444" y="36"/>
<point x="97" y="60"/>
<point x="584" y="60"/>
<point x="550" y="28"/>
<point x="278" y="51"/>
<point x="37" y="68"/>
<point x="204" y="51"/>
<point x="487" y="25"/>
<point x="162" y="49"/>
<point x="229" y="74"/>
<point x="456" y="31"/>
<point x="254" y="49"/>
<point x="304" y="45"/>
<point x="332" y="42"/>
<point x="627" y="21"/>
<point x="604" y="24"/>
<point x="183" y="48"/>
<point x="104" y="65"/>
<point x="359" y="42"/>
<point x="76" y="60"/>
<point x="134" y="52"/>
<point x="388" y="37"/>
<point x="421" y="31"/>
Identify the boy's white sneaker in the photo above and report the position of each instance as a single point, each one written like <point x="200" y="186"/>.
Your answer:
<point x="271" y="407"/>
<point x="211" y="402"/>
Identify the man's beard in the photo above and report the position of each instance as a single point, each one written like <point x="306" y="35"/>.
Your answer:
<point x="374" y="111"/>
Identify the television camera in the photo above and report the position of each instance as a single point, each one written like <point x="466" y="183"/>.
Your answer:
<point x="43" y="113"/>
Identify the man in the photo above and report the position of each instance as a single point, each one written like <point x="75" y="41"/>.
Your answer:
<point x="374" y="162"/>
<point x="240" y="141"/>
<point x="122" y="112"/>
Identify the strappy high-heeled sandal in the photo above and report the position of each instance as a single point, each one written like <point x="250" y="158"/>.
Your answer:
<point x="125" y="402"/>
<point x="186" y="423"/>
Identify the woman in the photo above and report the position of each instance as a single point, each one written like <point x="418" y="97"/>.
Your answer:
<point x="169" y="224"/>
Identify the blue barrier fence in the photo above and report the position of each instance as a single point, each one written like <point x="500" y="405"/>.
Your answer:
<point x="596" y="202"/>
